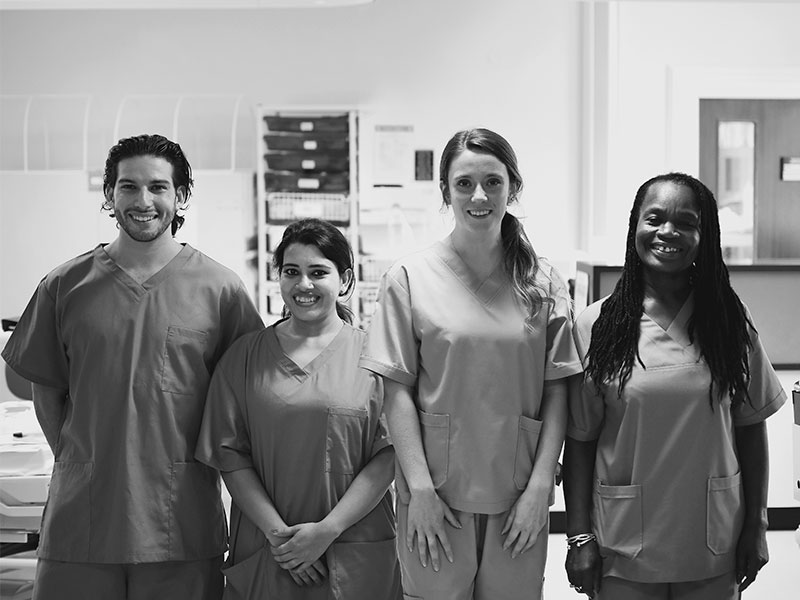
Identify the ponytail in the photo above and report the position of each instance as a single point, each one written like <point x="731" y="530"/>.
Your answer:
<point x="521" y="265"/>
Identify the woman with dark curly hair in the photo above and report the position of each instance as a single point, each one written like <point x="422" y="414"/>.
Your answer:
<point x="665" y="465"/>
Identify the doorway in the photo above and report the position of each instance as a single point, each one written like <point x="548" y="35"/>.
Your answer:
<point x="750" y="158"/>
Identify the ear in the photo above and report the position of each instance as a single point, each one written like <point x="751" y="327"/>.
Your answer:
<point x="347" y="282"/>
<point x="182" y="198"/>
<point x="445" y="191"/>
<point x="108" y="192"/>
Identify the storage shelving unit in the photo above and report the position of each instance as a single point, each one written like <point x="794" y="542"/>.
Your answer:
<point x="307" y="167"/>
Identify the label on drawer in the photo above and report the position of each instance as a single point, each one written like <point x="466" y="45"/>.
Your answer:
<point x="306" y="125"/>
<point x="310" y="145"/>
<point x="309" y="165"/>
<point x="308" y="184"/>
<point x="304" y="210"/>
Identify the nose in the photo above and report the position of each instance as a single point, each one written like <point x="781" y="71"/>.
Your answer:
<point x="667" y="229"/>
<point x="144" y="197"/>
<point x="479" y="194"/>
<point x="304" y="283"/>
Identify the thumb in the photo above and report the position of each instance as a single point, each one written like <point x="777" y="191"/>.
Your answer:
<point x="285" y="531"/>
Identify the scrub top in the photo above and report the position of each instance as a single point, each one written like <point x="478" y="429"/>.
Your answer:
<point x="477" y="372"/>
<point x="307" y="432"/>
<point x="136" y="359"/>
<point x="668" y="500"/>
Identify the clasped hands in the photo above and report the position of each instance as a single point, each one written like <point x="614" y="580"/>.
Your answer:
<point x="299" y="549"/>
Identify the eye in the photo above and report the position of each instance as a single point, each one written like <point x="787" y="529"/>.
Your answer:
<point x="494" y="182"/>
<point x="289" y="272"/>
<point x="319" y="273"/>
<point x="158" y="188"/>
<point x="463" y="183"/>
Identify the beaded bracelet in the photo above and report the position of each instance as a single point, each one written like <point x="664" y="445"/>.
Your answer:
<point x="576" y="541"/>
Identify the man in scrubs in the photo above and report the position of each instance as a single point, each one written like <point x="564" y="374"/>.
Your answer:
<point x="119" y="344"/>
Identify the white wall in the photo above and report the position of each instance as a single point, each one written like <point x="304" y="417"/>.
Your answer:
<point x="510" y="65"/>
<point x="649" y="46"/>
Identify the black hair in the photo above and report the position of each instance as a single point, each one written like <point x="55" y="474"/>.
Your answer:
<point x="520" y="260"/>
<point x="149" y="145"/>
<point x="719" y="325"/>
<point x="333" y="245"/>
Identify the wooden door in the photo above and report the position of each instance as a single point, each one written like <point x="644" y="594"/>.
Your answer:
<point x="776" y="214"/>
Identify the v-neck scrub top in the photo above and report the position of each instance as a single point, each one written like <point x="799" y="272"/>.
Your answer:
<point x="136" y="360"/>
<point x="668" y="501"/>
<point x="307" y="432"/>
<point x="476" y="371"/>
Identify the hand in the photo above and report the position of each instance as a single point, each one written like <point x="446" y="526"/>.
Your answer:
<point x="426" y="516"/>
<point x="304" y="544"/>
<point x="751" y="553"/>
<point x="313" y="575"/>
<point x="525" y="521"/>
<point x="584" y="568"/>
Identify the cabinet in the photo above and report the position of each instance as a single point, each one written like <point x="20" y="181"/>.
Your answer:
<point x="307" y="167"/>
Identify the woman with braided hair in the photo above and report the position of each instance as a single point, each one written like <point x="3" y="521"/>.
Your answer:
<point x="665" y="465"/>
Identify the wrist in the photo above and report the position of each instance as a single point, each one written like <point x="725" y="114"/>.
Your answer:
<point x="757" y="518"/>
<point x="332" y="527"/>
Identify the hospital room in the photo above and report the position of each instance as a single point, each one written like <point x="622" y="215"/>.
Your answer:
<point x="357" y="149"/>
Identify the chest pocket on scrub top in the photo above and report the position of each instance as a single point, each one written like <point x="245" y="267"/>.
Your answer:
<point x="343" y="441"/>
<point x="184" y="370"/>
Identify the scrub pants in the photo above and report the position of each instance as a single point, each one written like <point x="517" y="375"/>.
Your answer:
<point x="481" y="569"/>
<point x="717" y="588"/>
<point x="177" y="580"/>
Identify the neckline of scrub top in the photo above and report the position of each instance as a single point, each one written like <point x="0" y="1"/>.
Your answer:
<point x="154" y="280"/>
<point x="678" y="329"/>
<point x="292" y="368"/>
<point x="484" y="290"/>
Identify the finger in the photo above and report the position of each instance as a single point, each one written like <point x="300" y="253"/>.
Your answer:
<point x="445" y="542"/>
<point x="433" y="548"/>
<point x="450" y="517"/>
<point x="511" y="537"/>
<point x="410" y="539"/>
<point x="313" y="576"/>
<point x="509" y="521"/>
<point x="519" y="547"/>
<point x="285" y="531"/>
<point x="422" y="548"/>
<point x="320" y="568"/>
<point x="297" y="579"/>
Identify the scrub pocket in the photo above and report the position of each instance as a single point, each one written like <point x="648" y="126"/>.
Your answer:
<point x="436" y="442"/>
<point x="196" y="516"/>
<point x="183" y="370"/>
<point x="618" y="518"/>
<point x="345" y="429"/>
<point x="724" y="513"/>
<point x="527" y="441"/>
<point x="364" y="570"/>
<point x="67" y="522"/>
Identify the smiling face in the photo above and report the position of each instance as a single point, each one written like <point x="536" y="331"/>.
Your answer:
<point x="477" y="189"/>
<point x="144" y="197"/>
<point x="310" y="283"/>
<point x="668" y="229"/>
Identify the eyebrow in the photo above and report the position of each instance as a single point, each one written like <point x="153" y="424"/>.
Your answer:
<point x="314" y="266"/>
<point x="152" y="181"/>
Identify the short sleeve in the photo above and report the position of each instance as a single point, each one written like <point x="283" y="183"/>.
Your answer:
<point x="240" y="316"/>
<point x="562" y="357"/>
<point x="586" y="404"/>
<point x="381" y="439"/>
<point x="224" y="440"/>
<point x="35" y="349"/>
<point x="764" y="388"/>
<point x="392" y="348"/>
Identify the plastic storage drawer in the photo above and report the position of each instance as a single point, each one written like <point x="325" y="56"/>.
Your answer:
<point x="284" y="208"/>
<point x="307" y="124"/>
<point x="308" y="161"/>
<point x="322" y="142"/>
<point x="289" y="181"/>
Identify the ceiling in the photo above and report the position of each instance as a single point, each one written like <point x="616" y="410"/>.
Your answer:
<point x="171" y="4"/>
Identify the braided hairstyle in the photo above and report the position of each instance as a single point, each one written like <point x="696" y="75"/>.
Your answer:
<point x="519" y="258"/>
<point x="719" y="325"/>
